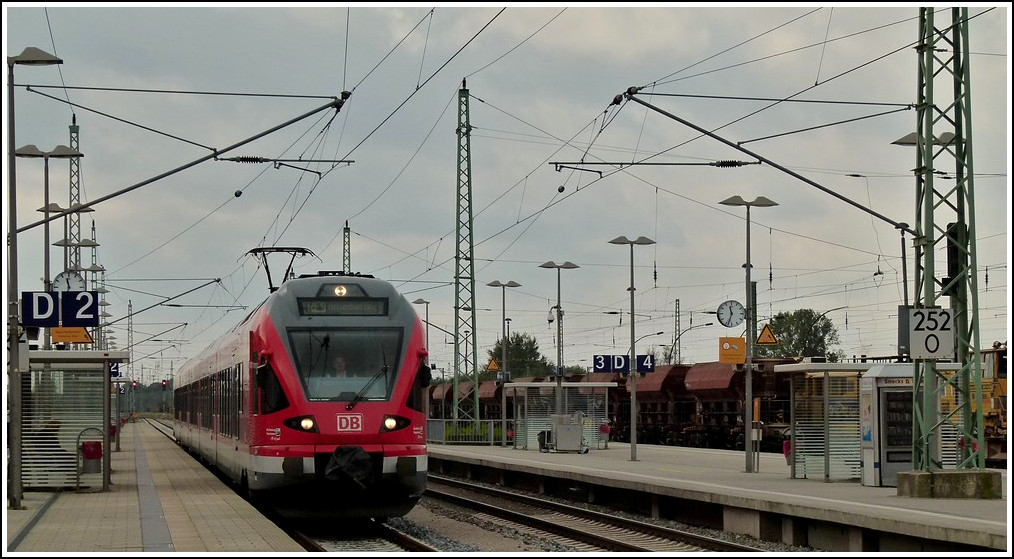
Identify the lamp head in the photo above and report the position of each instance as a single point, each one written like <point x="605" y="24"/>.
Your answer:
<point x="63" y="152"/>
<point x="760" y="202"/>
<point x="567" y="265"/>
<point x="30" y="151"/>
<point x="733" y="201"/>
<point x="622" y="240"/>
<point x="32" y="56"/>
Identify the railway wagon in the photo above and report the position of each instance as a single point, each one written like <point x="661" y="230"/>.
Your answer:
<point x="313" y="403"/>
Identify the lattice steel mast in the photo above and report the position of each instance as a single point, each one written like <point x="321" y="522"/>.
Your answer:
<point x="346" y="249"/>
<point x="464" y="280"/>
<point x="943" y="53"/>
<point x="72" y="260"/>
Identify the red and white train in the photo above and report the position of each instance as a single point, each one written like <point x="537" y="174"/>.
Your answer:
<point x="264" y="406"/>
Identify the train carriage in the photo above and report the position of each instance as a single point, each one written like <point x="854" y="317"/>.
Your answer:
<point x="271" y="405"/>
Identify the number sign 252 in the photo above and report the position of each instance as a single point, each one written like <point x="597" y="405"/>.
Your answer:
<point x="932" y="334"/>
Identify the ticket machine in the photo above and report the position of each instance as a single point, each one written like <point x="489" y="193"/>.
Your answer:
<point x="885" y="423"/>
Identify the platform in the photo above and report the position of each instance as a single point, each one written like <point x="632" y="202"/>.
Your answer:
<point x="835" y="516"/>
<point x="160" y="500"/>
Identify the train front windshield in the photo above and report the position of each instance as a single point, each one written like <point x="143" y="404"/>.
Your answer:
<point x="347" y="364"/>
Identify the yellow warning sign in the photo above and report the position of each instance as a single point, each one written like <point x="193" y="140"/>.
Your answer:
<point x="493" y="365"/>
<point x="732" y="350"/>
<point x="71" y="335"/>
<point x="767" y="337"/>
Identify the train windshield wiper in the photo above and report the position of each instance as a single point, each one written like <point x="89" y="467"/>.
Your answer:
<point x="382" y="372"/>
<point x="361" y="394"/>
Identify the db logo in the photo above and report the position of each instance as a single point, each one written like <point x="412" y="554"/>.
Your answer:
<point x="350" y="422"/>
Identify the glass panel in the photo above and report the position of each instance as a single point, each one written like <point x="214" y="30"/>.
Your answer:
<point x="340" y="363"/>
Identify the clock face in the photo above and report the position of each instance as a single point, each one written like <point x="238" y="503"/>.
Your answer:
<point x="731" y="313"/>
<point x="69" y="281"/>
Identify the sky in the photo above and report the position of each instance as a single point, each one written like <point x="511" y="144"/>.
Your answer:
<point x="560" y="163"/>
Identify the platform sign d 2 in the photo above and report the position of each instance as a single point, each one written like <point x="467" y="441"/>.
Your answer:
<point x="40" y="308"/>
<point x="49" y="309"/>
<point x="931" y="334"/>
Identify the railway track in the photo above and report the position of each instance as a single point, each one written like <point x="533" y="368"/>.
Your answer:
<point x="368" y="536"/>
<point x="365" y="536"/>
<point x="575" y="527"/>
<point x="571" y="527"/>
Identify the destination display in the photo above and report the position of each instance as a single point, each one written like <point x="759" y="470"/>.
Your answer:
<point x="358" y="306"/>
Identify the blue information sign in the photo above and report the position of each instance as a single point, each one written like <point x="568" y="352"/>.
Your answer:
<point x="645" y="363"/>
<point x="621" y="363"/>
<point x="49" y="309"/>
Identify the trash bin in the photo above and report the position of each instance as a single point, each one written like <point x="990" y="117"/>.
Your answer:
<point x="604" y="431"/>
<point x="91" y="457"/>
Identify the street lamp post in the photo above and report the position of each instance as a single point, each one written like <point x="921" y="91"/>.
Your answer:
<point x="642" y="240"/>
<point x="568" y="265"/>
<point x="503" y="390"/>
<point x="751" y="321"/>
<point x="676" y="341"/>
<point x="503" y="354"/>
<point x="31" y="56"/>
<point x="59" y="152"/>
<point x="422" y="301"/>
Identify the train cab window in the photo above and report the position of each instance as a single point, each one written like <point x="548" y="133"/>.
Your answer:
<point x="271" y="395"/>
<point x="343" y="364"/>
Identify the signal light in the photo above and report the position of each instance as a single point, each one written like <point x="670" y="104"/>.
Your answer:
<point x="956" y="258"/>
<point x="134" y="384"/>
<point x="164" y="383"/>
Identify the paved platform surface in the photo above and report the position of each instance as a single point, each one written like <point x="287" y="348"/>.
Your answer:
<point x="719" y="476"/>
<point x="160" y="500"/>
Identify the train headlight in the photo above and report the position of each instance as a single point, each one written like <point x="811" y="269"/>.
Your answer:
<point x="305" y="423"/>
<point x="393" y="423"/>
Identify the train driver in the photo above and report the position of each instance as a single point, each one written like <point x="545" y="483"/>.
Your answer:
<point x="338" y="367"/>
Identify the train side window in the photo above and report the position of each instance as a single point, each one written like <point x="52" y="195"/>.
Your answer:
<point x="425" y="375"/>
<point x="422" y="380"/>
<point x="272" y="397"/>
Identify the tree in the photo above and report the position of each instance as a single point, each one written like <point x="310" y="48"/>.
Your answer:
<point x="802" y="333"/>
<point x="523" y="356"/>
<point x="574" y="370"/>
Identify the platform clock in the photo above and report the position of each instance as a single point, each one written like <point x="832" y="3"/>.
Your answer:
<point x="69" y="281"/>
<point x="731" y="313"/>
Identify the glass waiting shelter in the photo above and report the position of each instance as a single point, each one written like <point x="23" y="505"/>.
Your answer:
<point x="824" y="420"/>
<point x="65" y="402"/>
<point x="535" y="407"/>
